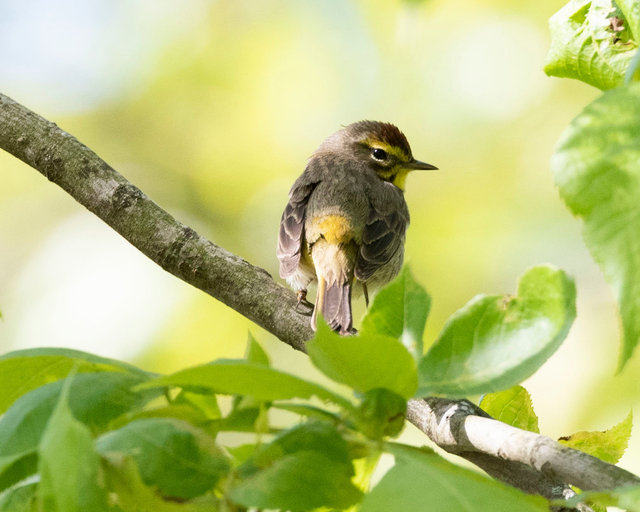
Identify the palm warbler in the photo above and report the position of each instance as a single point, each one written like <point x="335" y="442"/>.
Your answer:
<point x="346" y="218"/>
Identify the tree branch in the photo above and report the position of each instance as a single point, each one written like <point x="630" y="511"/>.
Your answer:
<point x="529" y="461"/>
<point x="177" y="248"/>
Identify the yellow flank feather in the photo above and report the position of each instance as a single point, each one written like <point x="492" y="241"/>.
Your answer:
<point x="306" y="257"/>
<point x="335" y="229"/>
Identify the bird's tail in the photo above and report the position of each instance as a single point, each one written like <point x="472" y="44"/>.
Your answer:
<point x="334" y="302"/>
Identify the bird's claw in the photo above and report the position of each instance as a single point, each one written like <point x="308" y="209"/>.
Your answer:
<point x="307" y="307"/>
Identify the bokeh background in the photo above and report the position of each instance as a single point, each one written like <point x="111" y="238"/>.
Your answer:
<point x="212" y="107"/>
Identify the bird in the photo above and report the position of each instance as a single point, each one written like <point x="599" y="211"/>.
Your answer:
<point x="345" y="221"/>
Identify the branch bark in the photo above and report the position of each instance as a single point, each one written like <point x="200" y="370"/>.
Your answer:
<point x="531" y="462"/>
<point x="177" y="248"/>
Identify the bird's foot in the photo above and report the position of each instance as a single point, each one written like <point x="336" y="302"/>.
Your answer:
<point x="302" y="304"/>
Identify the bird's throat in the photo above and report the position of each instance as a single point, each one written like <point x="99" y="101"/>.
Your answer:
<point x="400" y="178"/>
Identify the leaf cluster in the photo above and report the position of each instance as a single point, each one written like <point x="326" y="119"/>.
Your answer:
<point x="595" y="165"/>
<point x="86" y="433"/>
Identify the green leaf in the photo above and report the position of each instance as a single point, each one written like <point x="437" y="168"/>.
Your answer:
<point x="24" y="370"/>
<point x="176" y="411"/>
<point x="19" y="499"/>
<point x="207" y="402"/>
<point x="16" y="466"/>
<point x="381" y="414"/>
<point x="400" y="311"/>
<point x="364" y="362"/>
<point x="305" y="467"/>
<point x="596" y="166"/>
<point x="95" y="399"/>
<point x="497" y="341"/>
<point x="179" y="459"/>
<point x="420" y="477"/>
<point x="631" y="12"/>
<point x="626" y="497"/>
<point x="596" y="506"/>
<point x="608" y="445"/>
<point x="238" y="420"/>
<point x="317" y="436"/>
<point x="587" y="45"/>
<point x="309" y="411"/>
<point x="300" y="481"/>
<point x="512" y="406"/>
<point x="255" y="353"/>
<point x="365" y="468"/>
<point x="68" y="464"/>
<point x="242" y="453"/>
<point x="239" y="377"/>
<point x="132" y="495"/>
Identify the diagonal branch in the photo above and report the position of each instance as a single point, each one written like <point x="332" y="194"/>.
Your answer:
<point x="529" y="461"/>
<point x="177" y="248"/>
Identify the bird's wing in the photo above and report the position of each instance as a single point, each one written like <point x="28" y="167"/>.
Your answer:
<point x="382" y="237"/>
<point x="291" y="235"/>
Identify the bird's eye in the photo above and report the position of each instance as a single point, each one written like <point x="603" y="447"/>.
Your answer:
<point x="379" y="154"/>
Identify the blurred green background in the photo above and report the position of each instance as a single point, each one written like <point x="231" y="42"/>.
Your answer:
<point x="212" y="107"/>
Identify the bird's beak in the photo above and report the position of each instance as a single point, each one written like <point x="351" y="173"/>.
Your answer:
<point x="417" y="165"/>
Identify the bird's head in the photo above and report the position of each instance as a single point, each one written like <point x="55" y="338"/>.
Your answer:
<point x="381" y="146"/>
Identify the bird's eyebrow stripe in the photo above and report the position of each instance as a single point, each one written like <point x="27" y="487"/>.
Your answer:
<point x="392" y="150"/>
